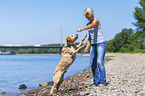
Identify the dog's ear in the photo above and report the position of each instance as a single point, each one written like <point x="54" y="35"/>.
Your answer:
<point x="68" y="39"/>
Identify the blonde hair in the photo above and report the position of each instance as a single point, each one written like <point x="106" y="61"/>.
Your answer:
<point x="88" y="11"/>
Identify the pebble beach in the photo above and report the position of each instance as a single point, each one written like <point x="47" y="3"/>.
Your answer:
<point x="125" y="77"/>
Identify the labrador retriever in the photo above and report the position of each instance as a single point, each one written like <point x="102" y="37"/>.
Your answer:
<point x="68" y="56"/>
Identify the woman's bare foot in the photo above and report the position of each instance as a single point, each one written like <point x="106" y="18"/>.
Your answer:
<point x="101" y="85"/>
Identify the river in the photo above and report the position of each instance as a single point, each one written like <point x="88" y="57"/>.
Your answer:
<point x="32" y="70"/>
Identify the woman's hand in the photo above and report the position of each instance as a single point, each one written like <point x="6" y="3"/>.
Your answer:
<point x="86" y="50"/>
<point x="80" y="29"/>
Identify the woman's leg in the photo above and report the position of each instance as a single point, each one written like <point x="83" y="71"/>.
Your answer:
<point x="101" y="49"/>
<point x="93" y="62"/>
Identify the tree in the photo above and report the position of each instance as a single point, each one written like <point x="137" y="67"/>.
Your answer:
<point x="139" y="15"/>
<point x="122" y="39"/>
<point x="109" y="46"/>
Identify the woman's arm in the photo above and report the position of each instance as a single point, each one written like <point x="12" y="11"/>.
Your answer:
<point x="92" y="25"/>
<point x="88" y="44"/>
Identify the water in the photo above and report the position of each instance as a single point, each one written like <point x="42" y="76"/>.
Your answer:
<point x="32" y="70"/>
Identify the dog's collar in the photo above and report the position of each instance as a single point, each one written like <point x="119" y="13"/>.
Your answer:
<point x="66" y="46"/>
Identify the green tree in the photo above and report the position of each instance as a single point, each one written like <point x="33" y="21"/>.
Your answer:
<point x="109" y="46"/>
<point x="122" y="39"/>
<point x="139" y="15"/>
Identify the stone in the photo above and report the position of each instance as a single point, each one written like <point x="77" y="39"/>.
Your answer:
<point x="22" y="95"/>
<point x="22" y="86"/>
<point x="43" y="84"/>
<point x="2" y="92"/>
<point x="87" y="93"/>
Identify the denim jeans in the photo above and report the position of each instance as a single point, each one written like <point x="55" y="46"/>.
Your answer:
<point x="97" y="54"/>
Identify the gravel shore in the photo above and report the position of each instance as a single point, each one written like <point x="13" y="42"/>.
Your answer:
<point x="125" y="77"/>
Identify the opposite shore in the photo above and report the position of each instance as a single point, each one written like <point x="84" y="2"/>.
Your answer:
<point x="125" y="76"/>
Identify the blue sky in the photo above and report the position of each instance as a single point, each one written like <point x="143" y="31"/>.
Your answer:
<point x="29" y="22"/>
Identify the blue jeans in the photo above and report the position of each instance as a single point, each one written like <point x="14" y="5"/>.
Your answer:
<point x="97" y="54"/>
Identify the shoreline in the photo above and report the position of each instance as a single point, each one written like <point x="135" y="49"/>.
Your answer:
<point x="66" y="88"/>
<point x="123" y="78"/>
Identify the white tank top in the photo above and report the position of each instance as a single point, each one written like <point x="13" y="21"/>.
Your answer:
<point x="96" y="34"/>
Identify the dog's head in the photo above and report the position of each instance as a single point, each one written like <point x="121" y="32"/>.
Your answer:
<point x="72" y="38"/>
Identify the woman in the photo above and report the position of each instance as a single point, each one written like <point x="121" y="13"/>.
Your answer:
<point x="98" y="48"/>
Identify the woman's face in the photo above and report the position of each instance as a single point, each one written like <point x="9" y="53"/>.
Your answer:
<point x="90" y="17"/>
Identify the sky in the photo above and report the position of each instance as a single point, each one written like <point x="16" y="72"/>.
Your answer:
<point x="31" y="22"/>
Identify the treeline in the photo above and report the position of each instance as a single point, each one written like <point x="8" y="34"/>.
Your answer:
<point x="126" y="41"/>
<point x="34" y="50"/>
<point x="123" y="42"/>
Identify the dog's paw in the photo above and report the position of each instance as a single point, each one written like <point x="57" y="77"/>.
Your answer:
<point x="84" y="37"/>
<point x="83" y="45"/>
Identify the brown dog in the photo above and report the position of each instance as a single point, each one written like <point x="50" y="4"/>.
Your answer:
<point x="68" y="56"/>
